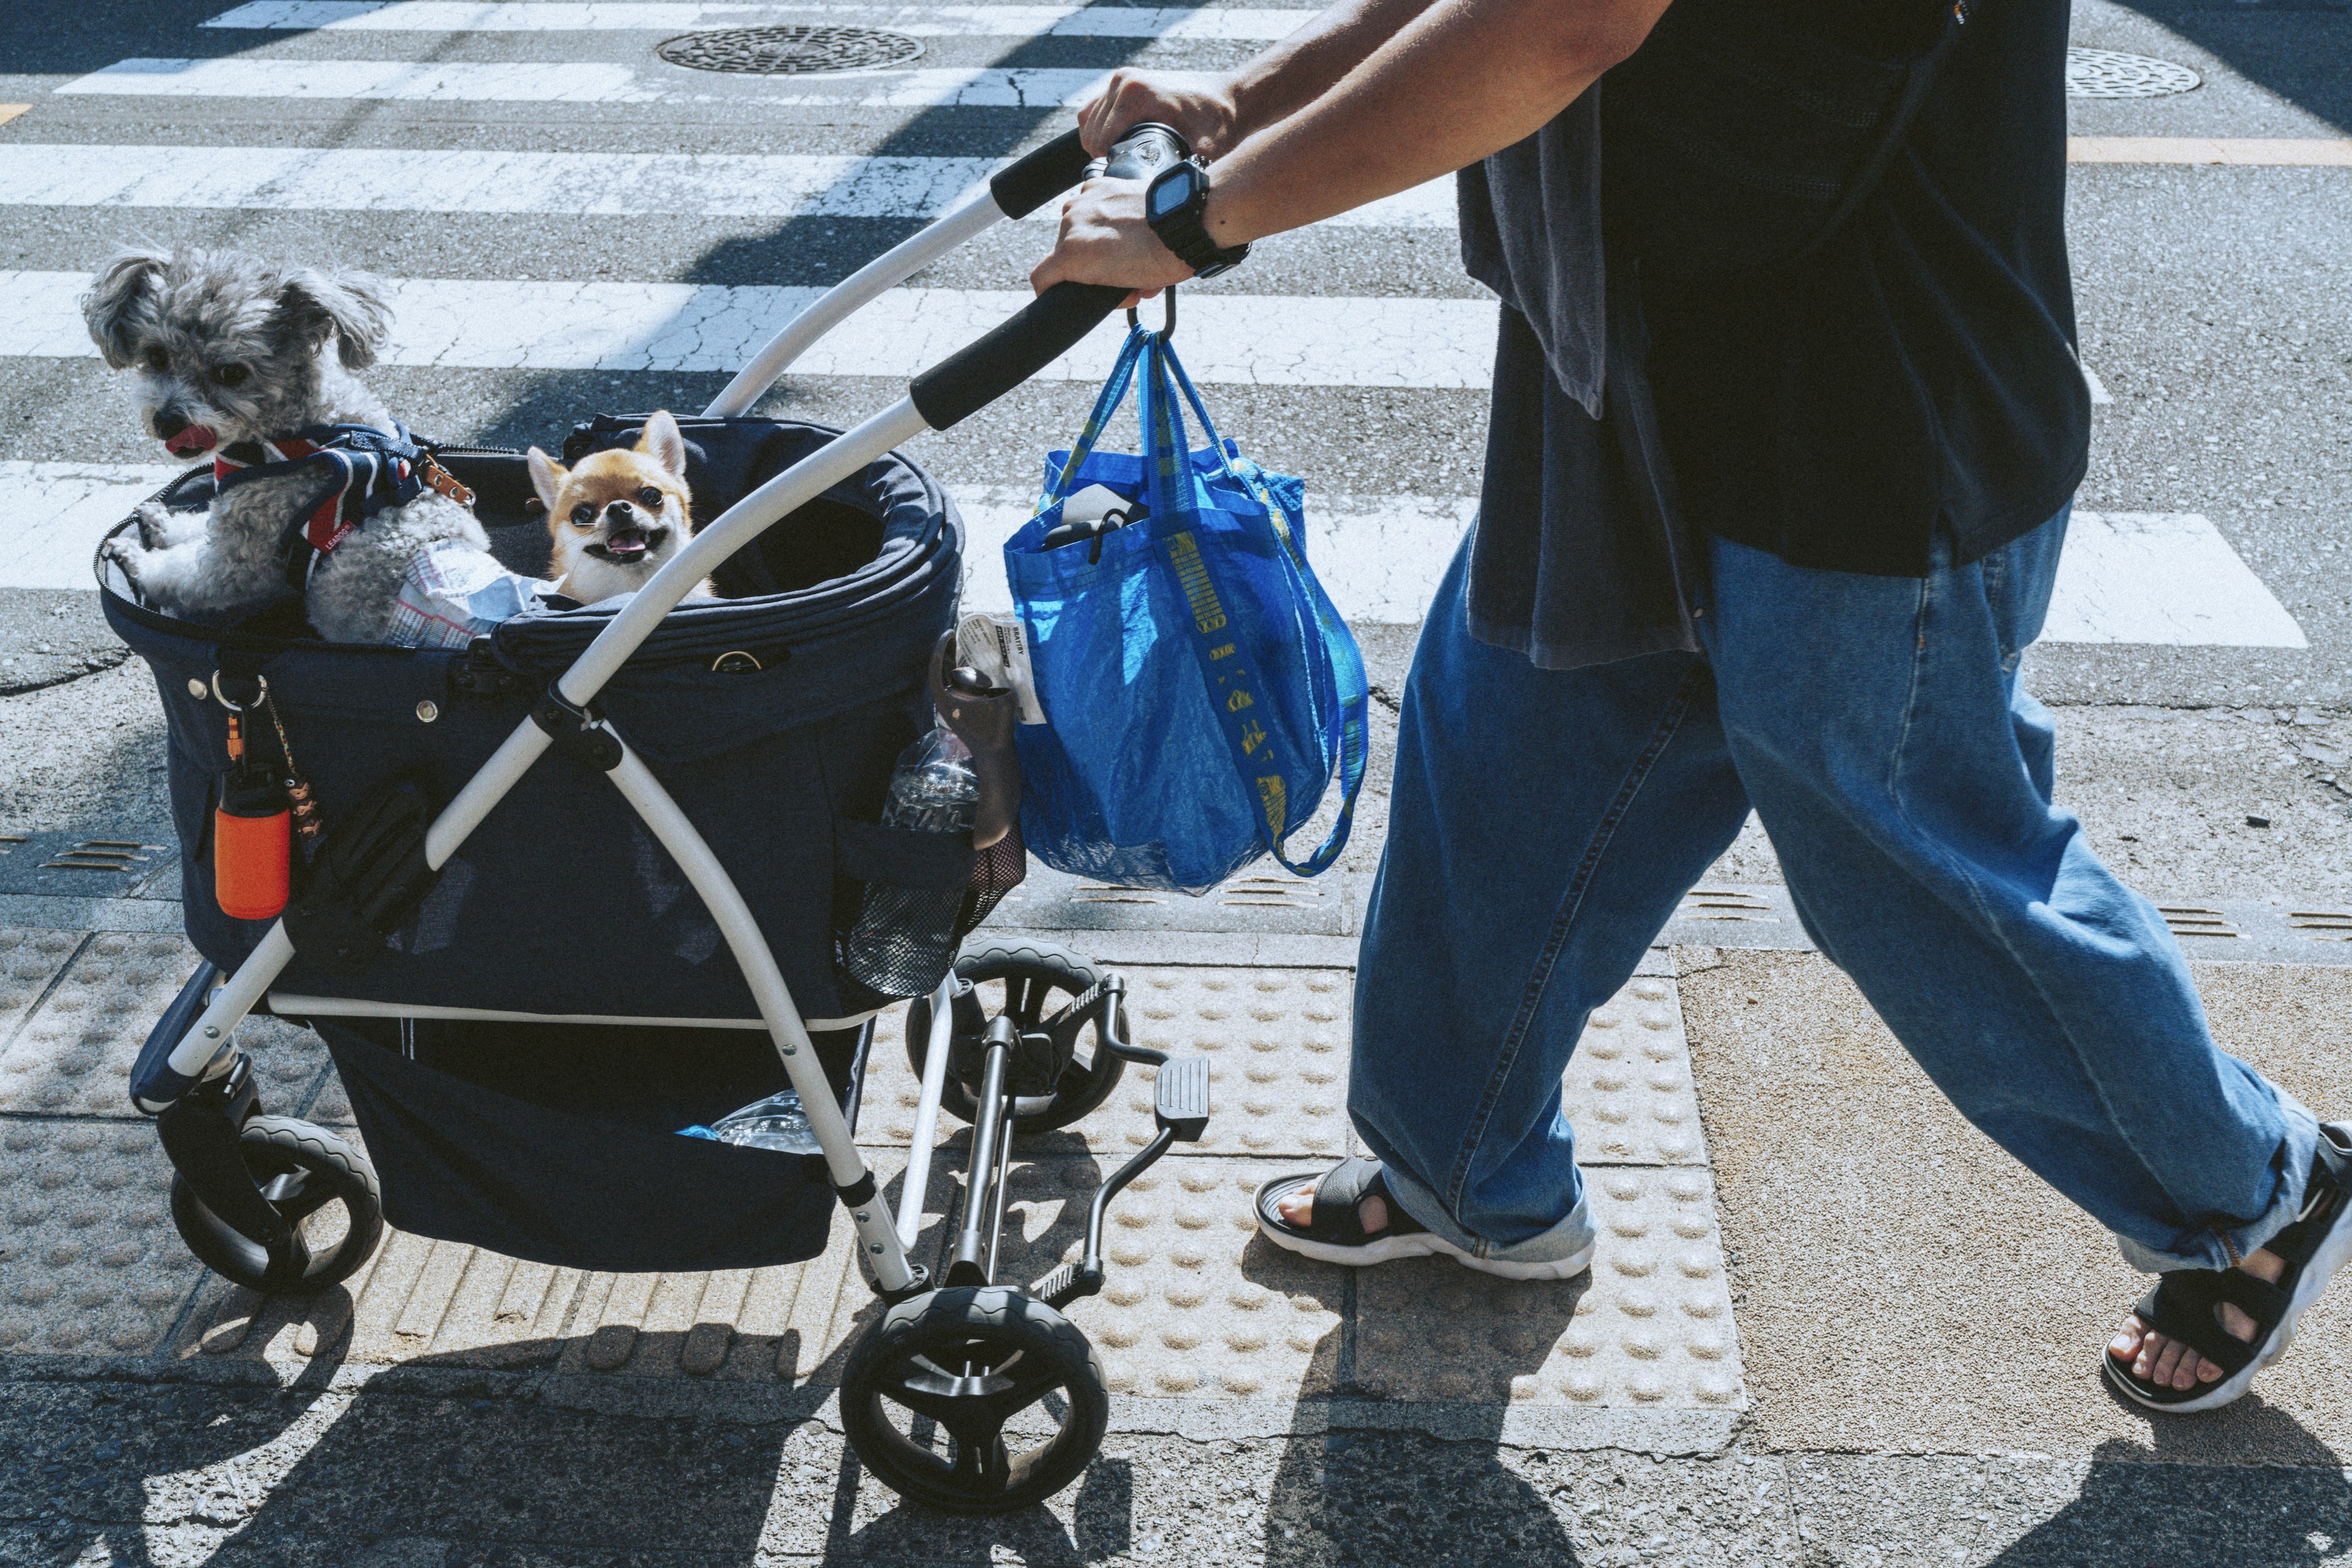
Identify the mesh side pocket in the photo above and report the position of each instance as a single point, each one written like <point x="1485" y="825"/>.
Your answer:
<point x="905" y="938"/>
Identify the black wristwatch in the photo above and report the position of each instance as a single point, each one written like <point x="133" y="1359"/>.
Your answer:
<point x="1172" y="204"/>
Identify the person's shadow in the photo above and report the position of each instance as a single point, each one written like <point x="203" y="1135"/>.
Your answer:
<point x="2249" y="1486"/>
<point x="1452" y="1343"/>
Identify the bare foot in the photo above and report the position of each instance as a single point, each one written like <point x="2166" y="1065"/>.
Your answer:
<point x="2167" y="1363"/>
<point x="1298" y="1209"/>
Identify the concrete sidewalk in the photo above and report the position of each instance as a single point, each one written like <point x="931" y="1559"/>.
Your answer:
<point x="1828" y="1323"/>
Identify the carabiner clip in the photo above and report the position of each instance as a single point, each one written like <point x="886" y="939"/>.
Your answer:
<point x="261" y="692"/>
<point x="1168" y="321"/>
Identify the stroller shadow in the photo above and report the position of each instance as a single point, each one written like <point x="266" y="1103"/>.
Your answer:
<point x="2139" y="1506"/>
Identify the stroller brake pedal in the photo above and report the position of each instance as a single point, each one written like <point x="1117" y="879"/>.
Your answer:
<point x="1181" y="1097"/>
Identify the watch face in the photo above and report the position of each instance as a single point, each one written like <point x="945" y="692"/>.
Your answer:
<point x="1171" y="190"/>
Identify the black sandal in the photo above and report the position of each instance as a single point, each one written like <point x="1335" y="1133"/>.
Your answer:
<point x="2186" y="1303"/>
<point x="1334" y="1231"/>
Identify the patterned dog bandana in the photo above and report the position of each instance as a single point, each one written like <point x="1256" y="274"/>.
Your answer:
<point x="368" y="471"/>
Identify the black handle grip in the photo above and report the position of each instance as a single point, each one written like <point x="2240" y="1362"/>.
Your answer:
<point x="1031" y="180"/>
<point x="984" y="371"/>
<point x="1035" y="178"/>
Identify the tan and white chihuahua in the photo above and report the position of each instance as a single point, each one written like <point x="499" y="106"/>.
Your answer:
<point x="617" y="516"/>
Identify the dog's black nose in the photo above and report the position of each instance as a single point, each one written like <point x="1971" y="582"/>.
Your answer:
<point x="619" y="512"/>
<point x="168" y="424"/>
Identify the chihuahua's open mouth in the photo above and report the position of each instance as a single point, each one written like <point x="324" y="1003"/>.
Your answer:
<point x="628" y="546"/>
<point x="191" y="440"/>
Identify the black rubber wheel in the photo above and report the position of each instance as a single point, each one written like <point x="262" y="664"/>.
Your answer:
<point x="969" y="1360"/>
<point x="1037" y="978"/>
<point x="307" y="1174"/>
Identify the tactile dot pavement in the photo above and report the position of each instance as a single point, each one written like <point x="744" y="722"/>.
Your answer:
<point x="90" y="1264"/>
<point x="1276" y="1043"/>
<point x="1628" y="1088"/>
<point x="1648" y="1328"/>
<point x="1194" y="1302"/>
<point x="29" y="960"/>
<point x="74" y="1054"/>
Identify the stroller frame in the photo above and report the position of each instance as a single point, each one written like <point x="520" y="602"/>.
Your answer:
<point x="192" y="1064"/>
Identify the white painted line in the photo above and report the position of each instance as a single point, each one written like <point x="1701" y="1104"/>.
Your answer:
<point x="1260" y="339"/>
<point x="298" y="179"/>
<point x="1236" y="24"/>
<point x="580" y="81"/>
<point x="2161" y="577"/>
<point x="2100" y="396"/>
<point x="1378" y="557"/>
<point x="62" y="510"/>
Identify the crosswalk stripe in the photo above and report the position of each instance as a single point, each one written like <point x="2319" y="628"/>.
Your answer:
<point x="1219" y="24"/>
<point x="715" y="184"/>
<point x="580" y="82"/>
<point x="2159" y="578"/>
<point x="1259" y="339"/>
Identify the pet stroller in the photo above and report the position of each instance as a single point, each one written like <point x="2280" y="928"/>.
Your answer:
<point x="531" y="982"/>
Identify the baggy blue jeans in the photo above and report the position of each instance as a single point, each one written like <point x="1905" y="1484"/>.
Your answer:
<point x="1546" y="824"/>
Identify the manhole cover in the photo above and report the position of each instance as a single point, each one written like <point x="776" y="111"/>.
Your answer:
<point x="791" y="51"/>
<point x="2103" y="73"/>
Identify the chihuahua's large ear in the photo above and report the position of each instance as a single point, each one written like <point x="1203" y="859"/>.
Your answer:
<point x="547" y="477"/>
<point x="115" y="293"/>
<point x="354" y="306"/>
<point x="663" y="444"/>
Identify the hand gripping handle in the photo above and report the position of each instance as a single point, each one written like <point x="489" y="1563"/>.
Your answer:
<point x="1058" y="320"/>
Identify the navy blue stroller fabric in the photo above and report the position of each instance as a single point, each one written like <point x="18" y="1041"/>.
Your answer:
<point x="773" y="717"/>
<point x="1199" y="688"/>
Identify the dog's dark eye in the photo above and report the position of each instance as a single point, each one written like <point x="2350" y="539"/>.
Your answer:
<point x="584" y="514"/>
<point x="650" y="498"/>
<point x="158" y="360"/>
<point x="230" y="375"/>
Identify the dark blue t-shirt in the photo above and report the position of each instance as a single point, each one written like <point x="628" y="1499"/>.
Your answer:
<point x="1917" y="371"/>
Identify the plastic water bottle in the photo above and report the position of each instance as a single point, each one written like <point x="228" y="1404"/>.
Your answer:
<point x="933" y="788"/>
<point x="777" y="1122"/>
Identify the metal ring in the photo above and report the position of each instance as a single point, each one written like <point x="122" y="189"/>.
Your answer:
<point x="259" y="679"/>
<point x="1168" y="321"/>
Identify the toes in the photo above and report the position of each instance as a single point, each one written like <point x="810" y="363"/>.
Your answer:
<point x="1297" y="1208"/>
<point x="2126" y="1345"/>
<point x="2207" y="1372"/>
<point x="2168" y="1371"/>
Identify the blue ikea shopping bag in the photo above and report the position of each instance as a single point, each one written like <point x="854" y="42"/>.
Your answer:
<point x="1199" y="688"/>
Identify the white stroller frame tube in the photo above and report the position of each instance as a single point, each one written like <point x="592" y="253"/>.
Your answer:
<point x="977" y="215"/>
<point x="964" y="382"/>
<point x="926" y="1112"/>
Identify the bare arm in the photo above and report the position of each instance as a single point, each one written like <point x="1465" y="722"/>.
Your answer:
<point x="1461" y="79"/>
<point x="1217" y="111"/>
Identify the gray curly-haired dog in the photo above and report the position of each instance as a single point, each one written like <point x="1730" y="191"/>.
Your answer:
<point x="224" y="349"/>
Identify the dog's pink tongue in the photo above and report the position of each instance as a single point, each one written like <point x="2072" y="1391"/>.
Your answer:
<point x="191" y="440"/>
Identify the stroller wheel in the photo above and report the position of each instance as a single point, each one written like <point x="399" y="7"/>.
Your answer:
<point x="976" y="1400"/>
<point x="1028" y="981"/>
<point x="320" y="1186"/>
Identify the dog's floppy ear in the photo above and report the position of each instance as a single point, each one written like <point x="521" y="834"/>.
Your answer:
<point x="352" y="305"/>
<point x="663" y="444"/>
<point x="115" y="289"/>
<point x="547" y="478"/>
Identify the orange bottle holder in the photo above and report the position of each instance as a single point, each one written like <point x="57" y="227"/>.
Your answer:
<point x="250" y="862"/>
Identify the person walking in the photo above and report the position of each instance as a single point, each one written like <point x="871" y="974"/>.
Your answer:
<point x="1769" y="536"/>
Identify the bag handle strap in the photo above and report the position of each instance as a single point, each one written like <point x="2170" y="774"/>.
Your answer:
<point x="1233" y="680"/>
<point x="1114" y="393"/>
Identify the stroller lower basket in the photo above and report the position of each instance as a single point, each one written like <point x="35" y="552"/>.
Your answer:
<point x="560" y="1143"/>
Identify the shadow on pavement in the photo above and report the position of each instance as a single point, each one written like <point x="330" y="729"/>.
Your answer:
<point x="2299" y="49"/>
<point x="2131" y="1510"/>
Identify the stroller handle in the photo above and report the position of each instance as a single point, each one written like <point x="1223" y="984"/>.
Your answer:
<point x="987" y="368"/>
<point x="1014" y="191"/>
